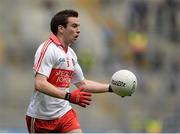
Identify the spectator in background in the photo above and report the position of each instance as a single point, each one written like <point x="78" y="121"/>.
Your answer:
<point x="153" y="125"/>
<point x="138" y="42"/>
<point x="138" y="14"/>
<point x="137" y="28"/>
<point x="174" y="76"/>
<point x="167" y="19"/>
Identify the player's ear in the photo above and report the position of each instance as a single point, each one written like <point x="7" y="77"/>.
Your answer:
<point x="60" y="28"/>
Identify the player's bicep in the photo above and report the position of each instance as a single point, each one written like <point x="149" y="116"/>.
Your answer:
<point x="40" y="81"/>
<point x="40" y="77"/>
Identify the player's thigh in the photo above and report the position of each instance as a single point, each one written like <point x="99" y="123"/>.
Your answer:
<point x="69" y="122"/>
<point x="75" y="131"/>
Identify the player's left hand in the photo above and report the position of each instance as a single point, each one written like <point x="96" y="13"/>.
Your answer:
<point x="79" y="97"/>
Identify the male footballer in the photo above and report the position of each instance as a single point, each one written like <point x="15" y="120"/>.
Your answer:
<point x="55" y="67"/>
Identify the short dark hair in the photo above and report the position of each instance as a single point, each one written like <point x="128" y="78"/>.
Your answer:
<point x="61" y="18"/>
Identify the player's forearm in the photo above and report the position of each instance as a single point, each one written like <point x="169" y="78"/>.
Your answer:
<point x="48" y="89"/>
<point x="94" y="87"/>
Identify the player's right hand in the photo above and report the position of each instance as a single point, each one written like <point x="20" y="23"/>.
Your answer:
<point x="79" y="97"/>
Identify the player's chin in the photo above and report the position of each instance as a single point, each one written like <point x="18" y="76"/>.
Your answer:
<point x="74" y="40"/>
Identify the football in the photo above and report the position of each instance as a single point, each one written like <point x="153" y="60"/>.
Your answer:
<point x="123" y="83"/>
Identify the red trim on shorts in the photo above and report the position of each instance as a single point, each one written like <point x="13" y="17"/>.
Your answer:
<point x="30" y="124"/>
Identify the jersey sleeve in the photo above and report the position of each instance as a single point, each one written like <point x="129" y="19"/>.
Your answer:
<point x="44" y="60"/>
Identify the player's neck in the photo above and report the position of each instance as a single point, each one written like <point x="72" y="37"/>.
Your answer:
<point x="61" y="39"/>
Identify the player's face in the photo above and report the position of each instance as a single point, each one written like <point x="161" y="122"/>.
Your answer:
<point x="72" y="30"/>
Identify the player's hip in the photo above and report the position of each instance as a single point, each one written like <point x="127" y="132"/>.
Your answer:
<point x="48" y="112"/>
<point x="66" y="123"/>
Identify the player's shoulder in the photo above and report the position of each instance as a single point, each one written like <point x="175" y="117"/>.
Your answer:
<point x="47" y="47"/>
<point x="72" y="52"/>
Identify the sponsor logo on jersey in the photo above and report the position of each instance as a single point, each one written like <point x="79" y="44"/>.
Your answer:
<point x="60" y="77"/>
<point x="62" y="59"/>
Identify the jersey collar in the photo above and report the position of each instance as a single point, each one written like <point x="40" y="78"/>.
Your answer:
<point x="58" y="42"/>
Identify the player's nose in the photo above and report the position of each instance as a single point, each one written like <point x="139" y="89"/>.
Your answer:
<point x="78" y="30"/>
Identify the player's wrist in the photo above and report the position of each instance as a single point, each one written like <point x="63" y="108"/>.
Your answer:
<point x="110" y="88"/>
<point x="68" y="96"/>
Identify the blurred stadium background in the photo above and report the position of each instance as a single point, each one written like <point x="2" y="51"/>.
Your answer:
<point x="140" y="35"/>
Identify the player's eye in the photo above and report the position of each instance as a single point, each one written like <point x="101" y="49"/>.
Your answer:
<point x="75" y="25"/>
